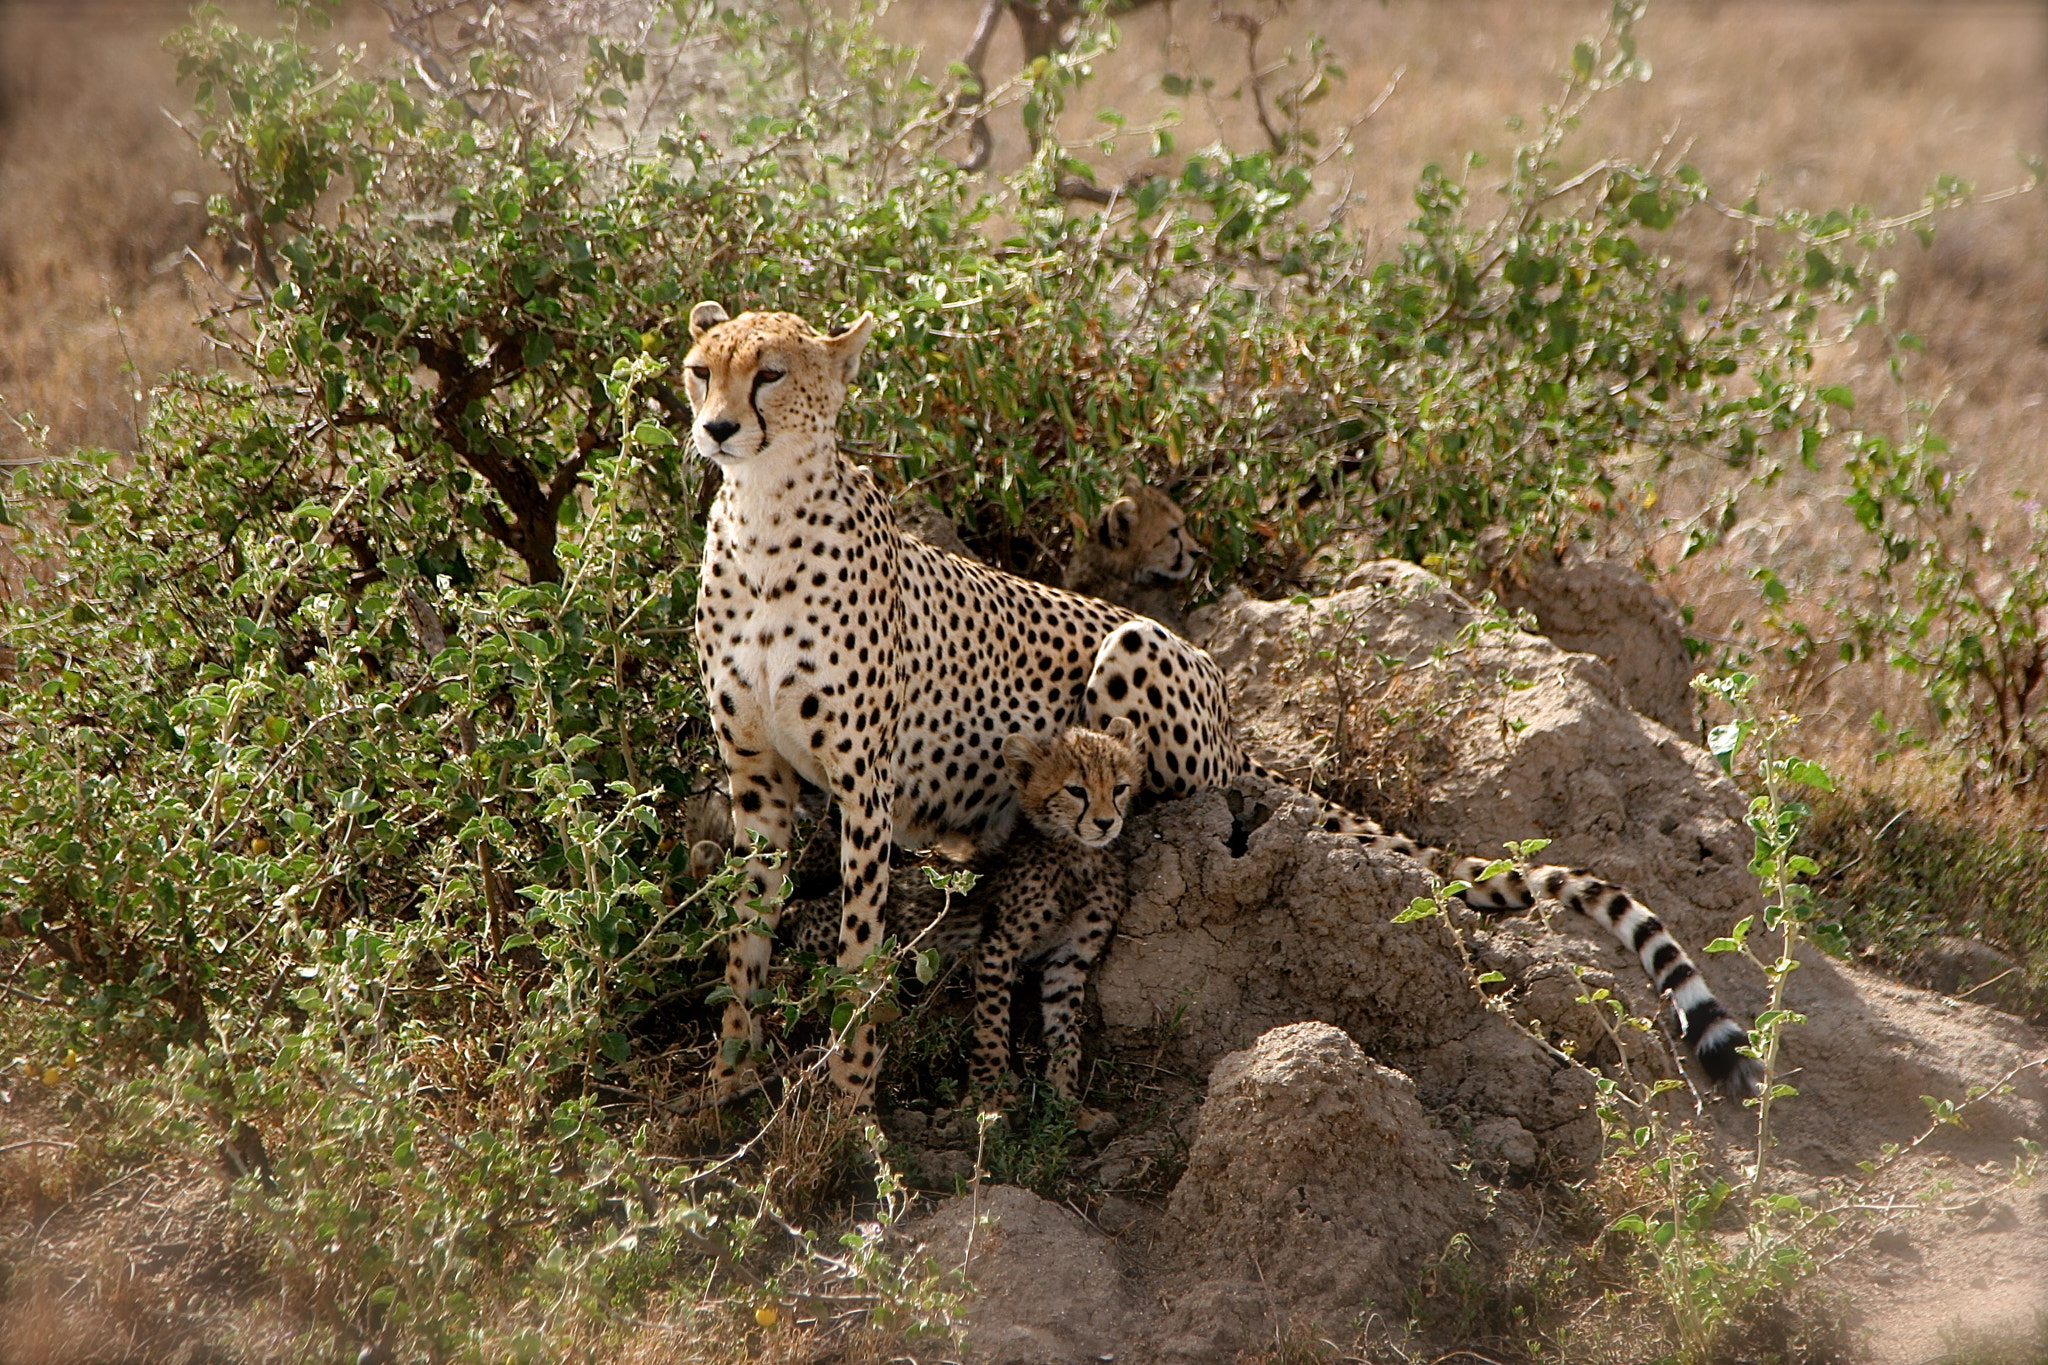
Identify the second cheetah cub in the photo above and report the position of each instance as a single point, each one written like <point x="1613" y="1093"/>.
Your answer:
<point x="1063" y="893"/>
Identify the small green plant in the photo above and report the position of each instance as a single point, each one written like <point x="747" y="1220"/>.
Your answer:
<point x="1775" y="818"/>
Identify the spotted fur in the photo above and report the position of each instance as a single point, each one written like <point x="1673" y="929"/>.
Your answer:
<point x="1710" y="1032"/>
<point x="1064" y="893"/>
<point x="885" y="671"/>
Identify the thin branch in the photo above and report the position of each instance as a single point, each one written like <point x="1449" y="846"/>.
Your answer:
<point x="37" y="1142"/>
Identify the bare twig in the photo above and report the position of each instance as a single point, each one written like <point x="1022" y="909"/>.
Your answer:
<point x="37" y="1142"/>
<point x="973" y="95"/>
<point x="1252" y="26"/>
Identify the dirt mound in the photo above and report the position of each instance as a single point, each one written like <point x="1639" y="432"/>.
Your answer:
<point x="1248" y="921"/>
<point x="1606" y="609"/>
<point x="1555" y="752"/>
<point x="1352" y="1062"/>
<point x="1315" y="1191"/>
<point x="1046" y="1286"/>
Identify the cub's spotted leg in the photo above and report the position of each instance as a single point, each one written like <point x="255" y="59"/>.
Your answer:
<point x="764" y="792"/>
<point x="1065" y="978"/>
<point x="988" y="1068"/>
<point x="1015" y="921"/>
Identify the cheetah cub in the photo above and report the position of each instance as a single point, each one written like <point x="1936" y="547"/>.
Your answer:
<point x="1055" y="893"/>
<point x="1135" y="554"/>
<point x="1062" y="897"/>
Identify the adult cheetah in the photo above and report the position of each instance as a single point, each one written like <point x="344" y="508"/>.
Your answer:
<point x="890" y="673"/>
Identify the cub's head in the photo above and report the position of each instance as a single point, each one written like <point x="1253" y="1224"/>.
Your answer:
<point x="1078" y="787"/>
<point x="764" y="380"/>
<point x="1142" y="537"/>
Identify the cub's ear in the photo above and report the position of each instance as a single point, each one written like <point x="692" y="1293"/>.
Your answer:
<point x="1122" y="730"/>
<point x="704" y="317"/>
<point x="846" y="343"/>
<point x="1133" y="485"/>
<point x="1114" y="530"/>
<point x="1023" y="755"/>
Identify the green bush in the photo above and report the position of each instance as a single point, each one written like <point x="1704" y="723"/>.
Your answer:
<point x="338" y="745"/>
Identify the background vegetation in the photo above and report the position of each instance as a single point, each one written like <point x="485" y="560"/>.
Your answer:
<point x="341" y="679"/>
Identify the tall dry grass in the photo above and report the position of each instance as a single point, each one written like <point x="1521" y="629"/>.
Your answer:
<point x="100" y="197"/>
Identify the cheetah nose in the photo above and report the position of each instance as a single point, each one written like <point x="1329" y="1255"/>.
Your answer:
<point x="1104" y="822"/>
<point x="721" y="429"/>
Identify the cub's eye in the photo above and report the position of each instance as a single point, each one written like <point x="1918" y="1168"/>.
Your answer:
<point x="1077" y="792"/>
<point x="767" y="376"/>
<point x="1122" y="787"/>
<point x="702" y="372"/>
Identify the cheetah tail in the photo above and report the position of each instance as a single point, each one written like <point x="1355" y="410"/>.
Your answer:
<point x="1713" y="1035"/>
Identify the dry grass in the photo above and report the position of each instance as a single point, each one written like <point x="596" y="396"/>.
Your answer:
<point x="102" y="196"/>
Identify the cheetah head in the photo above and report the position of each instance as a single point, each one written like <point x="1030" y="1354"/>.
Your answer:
<point x="1079" y="786"/>
<point x="763" y="382"/>
<point x="1142" y="537"/>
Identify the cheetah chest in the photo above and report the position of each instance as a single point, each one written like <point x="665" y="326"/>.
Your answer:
<point x="802" y="645"/>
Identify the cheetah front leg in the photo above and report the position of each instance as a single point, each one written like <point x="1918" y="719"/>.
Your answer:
<point x="866" y="837"/>
<point x="764" y="792"/>
<point x="1024" y="906"/>
<point x="988" y="1069"/>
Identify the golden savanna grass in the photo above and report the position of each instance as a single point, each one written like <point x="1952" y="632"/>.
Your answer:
<point x="100" y="196"/>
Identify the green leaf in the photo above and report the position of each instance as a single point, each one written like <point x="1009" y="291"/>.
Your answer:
<point x="1724" y="741"/>
<point x="651" y="434"/>
<point x="1809" y="774"/>
<point x="1422" y="907"/>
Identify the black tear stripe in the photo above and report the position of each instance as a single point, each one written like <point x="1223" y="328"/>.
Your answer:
<point x="753" y="401"/>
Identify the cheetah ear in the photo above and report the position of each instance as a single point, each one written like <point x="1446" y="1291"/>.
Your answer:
<point x="1133" y="485"/>
<point x="1022" y="754"/>
<point x="1122" y="730"/>
<point x="705" y="316"/>
<point x="846" y="343"/>
<point x="1114" y="530"/>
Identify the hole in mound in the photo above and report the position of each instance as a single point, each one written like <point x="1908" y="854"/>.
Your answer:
<point x="1242" y="823"/>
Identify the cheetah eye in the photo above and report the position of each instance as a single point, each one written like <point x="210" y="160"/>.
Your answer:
<point x="702" y="372"/>
<point x="1121" y="788"/>
<point x="1079" y="793"/>
<point x="767" y="376"/>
